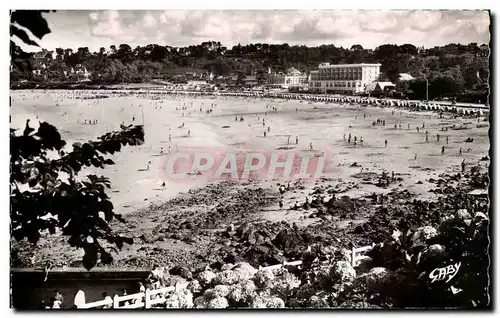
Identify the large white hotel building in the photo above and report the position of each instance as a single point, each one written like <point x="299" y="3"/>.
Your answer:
<point x="343" y="78"/>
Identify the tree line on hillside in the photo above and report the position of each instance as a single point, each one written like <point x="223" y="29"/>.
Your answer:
<point x="452" y="70"/>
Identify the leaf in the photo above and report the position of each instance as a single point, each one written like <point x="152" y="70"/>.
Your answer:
<point x="90" y="258"/>
<point x="106" y="257"/>
<point x="21" y="34"/>
<point x="31" y="20"/>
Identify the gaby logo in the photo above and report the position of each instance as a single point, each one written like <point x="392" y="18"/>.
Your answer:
<point x="441" y="273"/>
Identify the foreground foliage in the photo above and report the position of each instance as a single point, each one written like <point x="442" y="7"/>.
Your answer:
<point x="46" y="194"/>
<point x="400" y="273"/>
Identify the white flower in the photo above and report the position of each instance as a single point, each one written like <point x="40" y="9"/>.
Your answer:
<point x="263" y="278"/>
<point x="423" y="234"/>
<point x="343" y="272"/>
<point x="275" y="302"/>
<point x="194" y="286"/>
<point x="227" y="267"/>
<point x="201" y="302"/>
<point x="218" y="303"/>
<point x="462" y="214"/>
<point x="376" y="277"/>
<point x="317" y="302"/>
<point x="227" y="277"/>
<point x="242" y="291"/>
<point x="270" y="302"/>
<point x="180" y="299"/>
<point x="206" y="277"/>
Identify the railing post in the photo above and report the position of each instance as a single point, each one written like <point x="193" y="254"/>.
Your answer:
<point x="147" y="299"/>
<point x="353" y="256"/>
<point x="116" y="303"/>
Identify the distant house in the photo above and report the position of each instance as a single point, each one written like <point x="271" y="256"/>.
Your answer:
<point x="81" y="73"/>
<point x="250" y="81"/>
<point x="379" y="88"/>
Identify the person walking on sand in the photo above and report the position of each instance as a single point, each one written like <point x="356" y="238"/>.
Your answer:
<point x="408" y="126"/>
<point x="460" y="151"/>
<point x="446" y="139"/>
<point x="310" y="146"/>
<point x="418" y="129"/>
<point x="438" y="137"/>
<point x="288" y="140"/>
<point x="415" y="156"/>
<point x="423" y="125"/>
<point x="265" y="133"/>
<point x="385" y="143"/>
<point x="169" y="137"/>
<point x="344" y="137"/>
<point x="442" y="150"/>
<point x="189" y="132"/>
<point x="426" y="138"/>
<point x="268" y="128"/>
<point x="463" y="165"/>
<point x="296" y="140"/>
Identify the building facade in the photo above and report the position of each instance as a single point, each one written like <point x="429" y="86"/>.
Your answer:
<point x="292" y="79"/>
<point x="343" y="78"/>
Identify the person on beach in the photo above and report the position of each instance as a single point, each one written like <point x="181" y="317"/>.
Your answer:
<point x="442" y="150"/>
<point x="310" y="146"/>
<point x="446" y="139"/>
<point x="296" y="140"/>
<point x="385" y="143"/>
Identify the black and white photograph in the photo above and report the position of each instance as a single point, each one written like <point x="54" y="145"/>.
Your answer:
<point x="188" y="159"/>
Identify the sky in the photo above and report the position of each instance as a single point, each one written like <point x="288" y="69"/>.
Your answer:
<point x="95" y="29"/>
